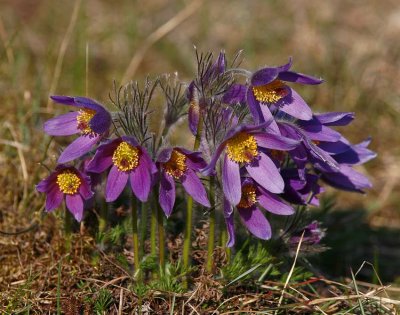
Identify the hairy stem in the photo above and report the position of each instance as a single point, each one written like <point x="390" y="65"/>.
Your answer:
<point x="161" y="237"/>
<point x="211" y="233"/>
<point x="135" y="238"/>
<point x="68" y="221"/>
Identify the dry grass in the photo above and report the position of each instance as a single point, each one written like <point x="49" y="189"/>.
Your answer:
<point x="354" y="47"/>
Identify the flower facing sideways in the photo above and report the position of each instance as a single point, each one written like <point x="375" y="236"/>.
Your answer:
<point x="92" y="121"/>
<point x="68" y="182"/>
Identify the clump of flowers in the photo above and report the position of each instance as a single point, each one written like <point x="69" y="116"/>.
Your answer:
<point x="257" y="147"/>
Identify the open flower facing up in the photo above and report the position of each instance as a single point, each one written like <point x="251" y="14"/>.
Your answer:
<point x="245" y="146"/>
<point x="268" y="91"/>
<point x="180" y="164"/>
<point x="92" y="121"/>
<point x="128" y="160"/>
<point x="253" y="196"/>
<point x="68" y="182"/>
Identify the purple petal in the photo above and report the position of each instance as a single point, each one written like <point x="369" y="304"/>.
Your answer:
<point x="335" y="118"/>
<point x="54" y="198"/>
<point x="63" y="125"/>
<point x="167" y="193"/>
<point x="88" y="103"/>
<point x="273" y="204"/>
<point x="116" y="183"/>
<point x="292" y="76"/>
<point x="264" y="76"/>
<point x="209" y="169"/>
<point x="85" y="189"/>
<point x="140" y="179"/>
<point x="275" y="141"/>
<point x="230" y="227"/>
<point x="265" y="173"/>
<point x="65" y="100"/>
<point x="347" y="179"/>
<point x="195" y="188"/>
<point x="254" y="106"/>
<point x="75" y="206"/>
<point x="77" y="148"/>
<point x="295" y="106"/>
<point x="231" y="183"/>
<point x="255" y="222"/>
<point x="164" y="155"/>
<point x="100" y="122"/>
<point x="335" y="147"/>
<point x="194" y="116"/>
<point x="194" y="160"/>
<point x="286" y="66"/>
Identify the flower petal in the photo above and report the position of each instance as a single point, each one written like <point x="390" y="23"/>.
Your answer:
<point x="230" y="227"/>
<point x="167" y="193"/>
<point x="77" y="148"/>
<point x="75" y="206"/>
<point x="85" y="189"/>
<point x="65" y="100"/>
<point x="292" y="76"/>
<point x="116" y="183"/>
<point x="54" y="198"/>
<point x="255" y="222"/>
<point x="63" y="125"/>
<point x="295" y="106"/>
<point x="273" y="204"/>
<point x="100" y="122"/>
<point x="265" y="173"/>
<point x="140" y="179"/>
<point x="264" y="76"/>
<point x="275" y="141"/>
<point x="235" y="94"/>
<point x="335" y="118"/>
<point x="231" y="183"/>
<point x="347" y="179"/>
<point x="195" y="188"/>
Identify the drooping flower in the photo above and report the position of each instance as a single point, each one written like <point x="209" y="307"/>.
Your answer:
<point x="69" y="183"/>
<point x="312" y="235"/>
<point x="253" y="196"/>
<point x="268" y="92"/>
<point x="180" y="164"/>
<point x="328" y="151"/>
<point x="128" y="160"/>
<point x="92" y="121"/>
<point x="244" y="146"/>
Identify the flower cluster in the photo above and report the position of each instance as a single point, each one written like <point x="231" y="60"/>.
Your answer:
<point x="259" y="140"/>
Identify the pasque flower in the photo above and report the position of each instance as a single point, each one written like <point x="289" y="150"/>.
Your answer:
<point x="253" y="196"/>
<point x="128" y="160"/>
<point x="246" y="145"/>
<point x="268" y="91"/>
<point x="92" y="121"/>
<point x="180" y="164"/>
<point x="69" y="183"/>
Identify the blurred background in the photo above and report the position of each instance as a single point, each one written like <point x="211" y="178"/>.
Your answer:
<point x="81" y="47"/>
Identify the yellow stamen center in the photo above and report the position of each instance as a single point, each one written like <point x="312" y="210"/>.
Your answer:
<point x="242" y="148"/>
<point x="68" y="182"/>
<point x="126" y="157"/>
<point x="176" y="165"/>
<point x="271" y="92"/>
<point x="83" y="119"/>
<point x="249" y="196"/>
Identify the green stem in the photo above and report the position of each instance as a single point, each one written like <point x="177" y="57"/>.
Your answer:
<point x="143" y="228"/>
<point x="211" y="233"/>
<point x="135" y="239"/>
<point x="68" y="221"/>
<point x="153" y="228"/>
<point x="161" y="237"/>
<point x="103" y="217"/>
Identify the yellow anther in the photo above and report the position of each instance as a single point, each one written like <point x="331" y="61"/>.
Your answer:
<point x="83" y="119"/>
<point x="249" y="196"/>
<point x="271" y="92"/>
<point x="126" y="157"/>
<point x="68" y="182"/>
<point x="242" y="148"/>
<point x="176" y="165"/>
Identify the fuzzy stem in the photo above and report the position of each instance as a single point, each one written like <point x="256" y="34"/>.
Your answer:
<point x="143" y="228"/>
<point x="161" y="237"/>
<point x="211" y="233"/>
<point x="68" y="221"/>
<point x="153" y="228"/>
<point x="103" y="217"/>
<point x="135" y="238"/>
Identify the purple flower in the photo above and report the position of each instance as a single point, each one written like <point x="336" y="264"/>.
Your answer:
<point x="180" y="164"/>
<point x="92" y="121"/>
<point x="245" y="146"/>
<point x="253" y="196"/>
<point x="268" y="91"/>
<point x="128" y="160"/>
<point x="312" y="235"/>
<point x="69" y="182"/>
